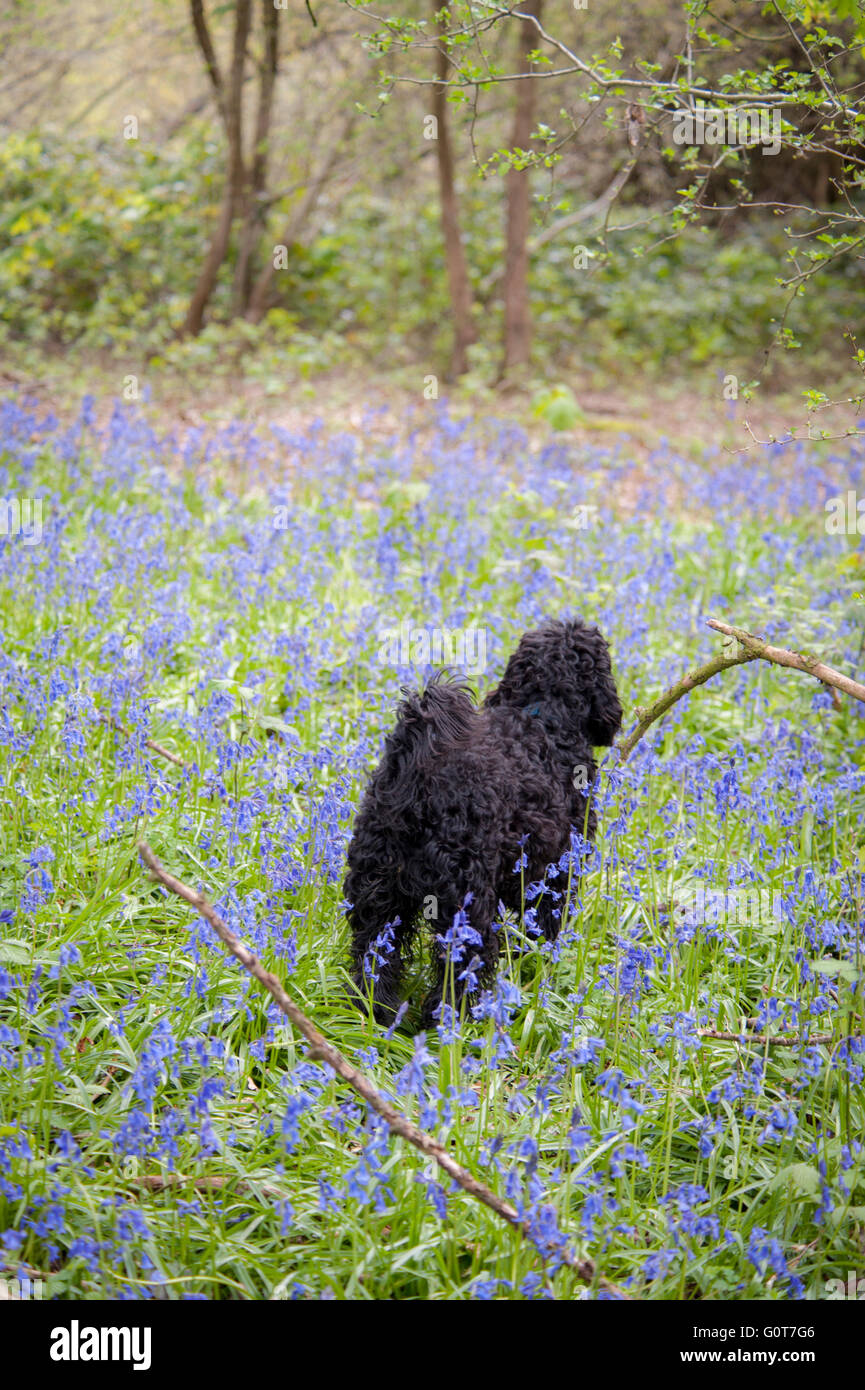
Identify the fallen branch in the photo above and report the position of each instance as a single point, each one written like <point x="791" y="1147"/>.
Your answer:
<point x="751" y="648"/>
<point x="321" y="1050"/>
<point x="15" y="1269"/>
<point x="647" y="717"/>
<point x="781" y="657"/>
<point x="148" y="742"/>
<point x="210" y="1183"/>
<point x="776" y="1039"/>
<point x="596" y="208"/>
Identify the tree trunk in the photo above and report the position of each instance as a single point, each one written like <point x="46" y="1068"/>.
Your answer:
<point x="253" y="210"/>
<point x="230" y="99"/>
<point x="458" y="275"/>
<point x="518" y="322"/>
<point x="259" y="299"/>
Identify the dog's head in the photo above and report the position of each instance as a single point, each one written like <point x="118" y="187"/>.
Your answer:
<point x="561" y="673"/>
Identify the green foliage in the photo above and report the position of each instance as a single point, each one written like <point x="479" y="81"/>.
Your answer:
<point x="558" y="406"/>
<point x="97" y="248"/>
<point x="699" y="298"/>
<point x="820" y="12"/>
<point x="103" y="252"/>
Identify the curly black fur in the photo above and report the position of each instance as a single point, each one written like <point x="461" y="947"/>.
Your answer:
<point x="459" y="788"/>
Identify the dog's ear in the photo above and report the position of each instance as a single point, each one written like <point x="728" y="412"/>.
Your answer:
<point x="601" y="712"/>
<point x="605" y="711"/>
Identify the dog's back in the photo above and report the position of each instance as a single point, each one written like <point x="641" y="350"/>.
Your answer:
<point x="432" y="722"/>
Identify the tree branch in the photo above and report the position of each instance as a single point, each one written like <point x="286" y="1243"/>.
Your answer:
<point x="647" y="717"/>
<point x="795" y="660"/>
<point x="148" y="742"/>
<point x="597" y="207"/>
<point x="751" y="649"/>
<point x="211" y="62"/>
<point x="323" y="1051"/>
<point x="775" y="1039"/>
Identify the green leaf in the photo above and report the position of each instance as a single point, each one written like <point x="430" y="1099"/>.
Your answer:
<point x="800" y="1176"/>
<point x="845" y="968"/>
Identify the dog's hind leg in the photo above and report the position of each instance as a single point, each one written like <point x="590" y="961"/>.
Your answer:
<point x="548" y="915"/>
<point x="467" y="933"/>
<point x="382" y="921"/>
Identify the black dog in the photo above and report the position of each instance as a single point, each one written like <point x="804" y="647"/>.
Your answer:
<point x="461" y="792"/>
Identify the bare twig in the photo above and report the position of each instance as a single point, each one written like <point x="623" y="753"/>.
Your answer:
<point x="209" y="1183"/>
<point x="323" y="1051"/>
<point x="148" y="742"/>
<point x="775" y="1039"/>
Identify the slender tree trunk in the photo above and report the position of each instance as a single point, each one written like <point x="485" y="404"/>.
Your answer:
<point x="261" y="290"/>
<point x="458" y="274"/>
<point x="230" y="99"/>
<point x="518" y="322"/>
<point x="253" y="210"/>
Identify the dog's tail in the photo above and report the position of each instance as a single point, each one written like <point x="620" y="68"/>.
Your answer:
<point x="429" y="722"/>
